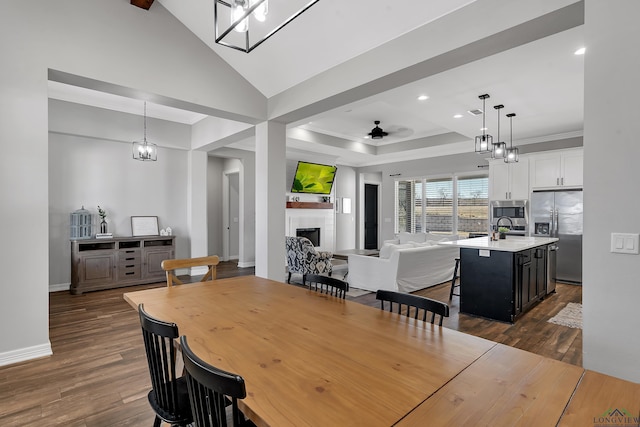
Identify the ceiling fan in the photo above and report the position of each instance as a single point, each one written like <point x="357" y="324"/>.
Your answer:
<point x="377" y="132"/>
<point x="396" y="130"/>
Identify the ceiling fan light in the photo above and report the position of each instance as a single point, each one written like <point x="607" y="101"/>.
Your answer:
<point x="377" y="132"/>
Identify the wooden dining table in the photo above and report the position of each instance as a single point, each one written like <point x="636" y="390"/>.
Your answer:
<point x="309" y="359"/>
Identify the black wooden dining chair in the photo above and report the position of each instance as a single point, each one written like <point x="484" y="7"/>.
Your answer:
<point x="414" y="304"/>
<point x="327" y="285"/>
<point x="168" y="396"/>
<point x="210" y="391"/>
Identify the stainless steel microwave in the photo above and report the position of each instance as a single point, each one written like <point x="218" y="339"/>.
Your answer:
<point x="511" y="213"/>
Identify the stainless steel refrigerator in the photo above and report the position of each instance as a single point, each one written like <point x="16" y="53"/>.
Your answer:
<point x="559" y="214"/>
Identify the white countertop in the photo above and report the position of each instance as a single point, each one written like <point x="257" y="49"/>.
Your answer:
<point x="510" y="244"/>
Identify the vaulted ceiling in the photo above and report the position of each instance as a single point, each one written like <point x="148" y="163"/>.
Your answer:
<point x="541" y="81"/>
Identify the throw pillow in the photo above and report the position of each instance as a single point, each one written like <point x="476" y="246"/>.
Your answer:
<point x="385" y="250"/>
<point x="405" y="237"/>
<point x="396" y="248"/>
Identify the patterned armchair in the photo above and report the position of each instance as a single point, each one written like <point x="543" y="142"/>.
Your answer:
<point x="303" y="258"/>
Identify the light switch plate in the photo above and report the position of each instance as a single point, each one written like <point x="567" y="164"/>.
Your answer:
<point x="624" y="243"/>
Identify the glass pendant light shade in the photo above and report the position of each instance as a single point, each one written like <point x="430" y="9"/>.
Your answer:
<point x="266" y="23"/>
<point x="512" y="153"/>
<point x="260" y="12"/>
<point x="498" y="149"/>
<point x="484" y="142"/>
<point x="238" y="9"/>
<point x="144" y="150"/>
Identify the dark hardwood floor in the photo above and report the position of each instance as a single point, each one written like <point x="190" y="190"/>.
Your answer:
<point x="97" y="375"/>
<point x="531" y="332"/>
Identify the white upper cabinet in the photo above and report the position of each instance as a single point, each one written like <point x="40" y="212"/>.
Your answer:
<point x="557" y="169"/>
<point x="509" y="181"/>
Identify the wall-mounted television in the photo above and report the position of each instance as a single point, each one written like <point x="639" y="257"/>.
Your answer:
<point x="313" y="178"/>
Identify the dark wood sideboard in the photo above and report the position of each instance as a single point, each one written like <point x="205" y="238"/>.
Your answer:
<point x="98" y="264"/>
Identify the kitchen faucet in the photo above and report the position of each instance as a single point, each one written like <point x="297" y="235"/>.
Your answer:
<point x="505" y="217"/>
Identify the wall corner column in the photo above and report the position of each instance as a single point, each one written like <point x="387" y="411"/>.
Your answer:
<point x="197" y="203"/>
<point x="270" y="200"/>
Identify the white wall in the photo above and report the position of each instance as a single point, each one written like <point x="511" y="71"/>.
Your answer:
<point x="99" y="40"/>
<point x="345" y="187"/>
<point x="83" y="120"/>
<point x="243" y="162"/>
<point x="247" y="210"/>
<point x="90" y="164"/>
<point x="215" y="168"/>
<point x="91" y="172"/>
<point x="436" y="166"/>
<point x="611" y="287"/>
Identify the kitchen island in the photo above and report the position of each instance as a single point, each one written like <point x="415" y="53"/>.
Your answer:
<point x="502" y="279"/>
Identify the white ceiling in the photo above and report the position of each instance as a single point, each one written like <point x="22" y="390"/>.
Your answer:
<point x="329" y="33"/>
<point x="542" y="82"/>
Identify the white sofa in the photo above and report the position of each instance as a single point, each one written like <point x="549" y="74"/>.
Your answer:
<point x="406" y="264"/>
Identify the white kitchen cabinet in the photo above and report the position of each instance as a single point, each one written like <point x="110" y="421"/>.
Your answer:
<point x="557" y="169"/>
<point x="509" y="181"/>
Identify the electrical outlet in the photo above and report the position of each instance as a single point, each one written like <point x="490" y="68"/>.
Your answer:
<point x="624" y="243"/>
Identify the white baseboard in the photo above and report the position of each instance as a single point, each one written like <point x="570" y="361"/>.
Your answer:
<point x="23" y="354"/>
<point x="246" y="264"/>
<point x="60" y="287"/>
<point x="198" y="271"/>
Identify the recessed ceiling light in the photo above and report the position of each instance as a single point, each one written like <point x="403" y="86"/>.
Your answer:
<point x="366" y="137"/>
<point x="457" y="116"/>
<point x="483" y="129"/>
<point x="423" y="98"/>
<point x="580" y="51"/>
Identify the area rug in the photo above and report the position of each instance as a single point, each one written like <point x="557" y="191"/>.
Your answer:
<point x="570" y="316"/>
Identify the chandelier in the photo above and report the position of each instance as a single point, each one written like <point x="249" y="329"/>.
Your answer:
<point x="245" y="24"/>
<point x="144" y="150"/>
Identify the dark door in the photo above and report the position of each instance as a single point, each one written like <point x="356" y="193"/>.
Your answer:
<point x="370" y="216"/>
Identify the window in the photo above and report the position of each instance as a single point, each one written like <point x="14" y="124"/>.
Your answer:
<point x="457" y="205"/>
<point x="473" y="205"/>
<point x="404" y="196"/>
<point x="439" y="206"/>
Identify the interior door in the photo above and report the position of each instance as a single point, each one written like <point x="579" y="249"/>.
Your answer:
<point x="370" y="216"/>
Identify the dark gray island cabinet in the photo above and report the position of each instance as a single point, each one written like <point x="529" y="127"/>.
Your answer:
<point x="502" y="279"/>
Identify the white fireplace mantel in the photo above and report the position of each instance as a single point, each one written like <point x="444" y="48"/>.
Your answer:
<point x="324" y="219"/>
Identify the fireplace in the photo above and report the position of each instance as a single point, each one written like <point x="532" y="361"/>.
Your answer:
<point x="312" y="234"/>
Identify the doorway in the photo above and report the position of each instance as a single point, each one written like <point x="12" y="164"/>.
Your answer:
<point x="231" y="216"/>
<point x="371" y="216"/>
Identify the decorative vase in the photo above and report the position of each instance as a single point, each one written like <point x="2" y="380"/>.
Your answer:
<point x="503" y="236"/>
<point x="103" y="226"/>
